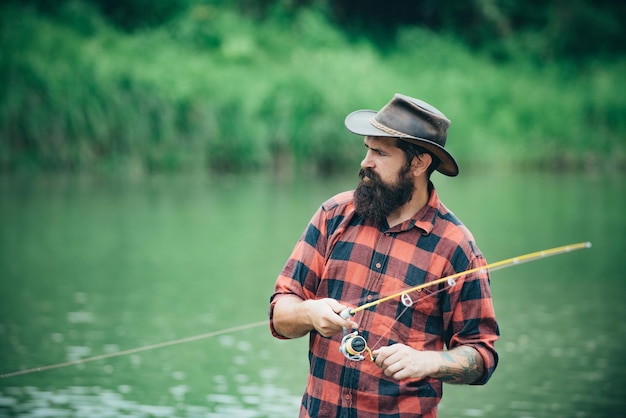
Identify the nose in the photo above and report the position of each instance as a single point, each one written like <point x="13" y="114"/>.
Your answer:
<point x="368" y="161"/>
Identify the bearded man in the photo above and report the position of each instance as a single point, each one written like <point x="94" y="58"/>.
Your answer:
<point x="390" y="234"/>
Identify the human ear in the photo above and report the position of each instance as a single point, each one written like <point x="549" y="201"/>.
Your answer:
<point x="421" y="163"/>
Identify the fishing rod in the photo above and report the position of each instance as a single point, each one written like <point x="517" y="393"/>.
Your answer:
<point x="354" y="345"/>
<point x="134" y="350"/>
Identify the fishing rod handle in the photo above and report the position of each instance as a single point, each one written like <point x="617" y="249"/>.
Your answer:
<point x="346" y="313"/>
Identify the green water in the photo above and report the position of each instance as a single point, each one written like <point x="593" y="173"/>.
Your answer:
<point x="90" y="266"/>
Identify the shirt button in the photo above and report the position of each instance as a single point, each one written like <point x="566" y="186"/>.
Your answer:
<point x="348" y="397"/>
<point x="352" y="364"/>
<point x="377" y="265"/>
<point x="369" y="297"/>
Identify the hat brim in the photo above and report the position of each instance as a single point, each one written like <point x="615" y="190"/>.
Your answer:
<point x="358" y="122"/>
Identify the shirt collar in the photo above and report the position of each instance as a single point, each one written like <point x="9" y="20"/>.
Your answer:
<point x="424" y="218"/>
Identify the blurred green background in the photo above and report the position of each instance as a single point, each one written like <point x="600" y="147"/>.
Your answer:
<point x="186" y="85"/>
<point x="159" y="159"/>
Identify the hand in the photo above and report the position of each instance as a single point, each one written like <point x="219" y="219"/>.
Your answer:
<point x="323" y="314"/>
<point x="400" y="361"/>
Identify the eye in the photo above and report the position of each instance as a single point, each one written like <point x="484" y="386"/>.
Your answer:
<point x="376" y="151"/>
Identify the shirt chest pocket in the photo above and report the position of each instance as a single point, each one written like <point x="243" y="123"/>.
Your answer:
<point x="418" y="318"/>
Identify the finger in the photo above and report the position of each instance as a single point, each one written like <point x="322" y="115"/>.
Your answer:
<point x="335" y="305"/>
<point x="328" y="329"/>
<point x="334" y="324"/>
<point x="400" y="375"/>
<point x="380" y="356"/>
<point x="338" y="320"/>
<point x="339" y="308"/>
<point x="345" y="323"/>
<point x="390" y="357"/>
<point x="394" y="371"/>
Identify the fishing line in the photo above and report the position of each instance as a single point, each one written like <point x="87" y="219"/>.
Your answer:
<point x="135" y="350"/>
<point x="451" y="281"/>
<point x="407" y="302"/>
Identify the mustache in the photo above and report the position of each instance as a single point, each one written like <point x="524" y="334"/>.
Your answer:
<point x="369" y="173"/>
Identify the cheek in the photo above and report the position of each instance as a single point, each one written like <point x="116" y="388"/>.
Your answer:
<point x="384" y="171"/>
<point x="384" y="177"/>
<point x="391" y="175"/>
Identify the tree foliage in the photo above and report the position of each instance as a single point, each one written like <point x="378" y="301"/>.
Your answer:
<point x="185" y="84"/>
<point x="560" y="27"/>
<point x="547" y="29"/>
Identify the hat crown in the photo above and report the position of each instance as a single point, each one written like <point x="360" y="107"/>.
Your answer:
<point x="409" y="117"/>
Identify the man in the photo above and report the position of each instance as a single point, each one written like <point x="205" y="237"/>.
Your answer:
<point x="390" y="234"/>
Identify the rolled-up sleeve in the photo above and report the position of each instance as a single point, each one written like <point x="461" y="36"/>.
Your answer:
<point x="301" y="274"/>
<point x="472" y="318"/>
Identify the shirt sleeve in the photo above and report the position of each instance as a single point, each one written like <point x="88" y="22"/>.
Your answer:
<point x="302" y="272"/>
<point x="472" y="321"/>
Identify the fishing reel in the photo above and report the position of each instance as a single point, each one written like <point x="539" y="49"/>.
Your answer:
<point x="353" y="345"/>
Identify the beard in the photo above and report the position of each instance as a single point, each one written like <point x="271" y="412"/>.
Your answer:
<point x="375" y="199"/>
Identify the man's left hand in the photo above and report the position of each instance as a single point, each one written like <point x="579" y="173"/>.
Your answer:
<point x="400" y="361"/>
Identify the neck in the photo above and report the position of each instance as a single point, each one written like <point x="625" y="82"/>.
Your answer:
<point x="405" y="212"/>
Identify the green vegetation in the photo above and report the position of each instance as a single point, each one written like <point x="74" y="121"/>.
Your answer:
<point x="215" y="89"/>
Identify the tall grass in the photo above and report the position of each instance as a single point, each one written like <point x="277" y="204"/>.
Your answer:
<point x="213" y="90"/>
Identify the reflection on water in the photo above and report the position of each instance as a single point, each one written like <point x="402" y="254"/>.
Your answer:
<point x="96" y="402"/>
<point x="90" y="267"/>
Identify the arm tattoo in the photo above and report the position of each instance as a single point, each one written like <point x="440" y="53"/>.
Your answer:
<point x="461" y="365"/>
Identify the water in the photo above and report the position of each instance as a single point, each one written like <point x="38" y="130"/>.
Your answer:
<point x="90" y="266"/>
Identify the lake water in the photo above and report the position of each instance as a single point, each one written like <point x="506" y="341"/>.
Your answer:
<point x="90" y="266"/>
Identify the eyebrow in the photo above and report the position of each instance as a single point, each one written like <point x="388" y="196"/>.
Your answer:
<point x="375" y="149"/>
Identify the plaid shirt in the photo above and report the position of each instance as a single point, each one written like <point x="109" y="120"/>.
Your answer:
<point x="345" y="257"/>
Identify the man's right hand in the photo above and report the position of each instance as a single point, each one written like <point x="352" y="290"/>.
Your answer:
<point x="325" y="318"/>
<point x="294" y="317"/>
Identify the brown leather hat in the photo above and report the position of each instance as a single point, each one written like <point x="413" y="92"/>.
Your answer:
<point x="411" y="120"/>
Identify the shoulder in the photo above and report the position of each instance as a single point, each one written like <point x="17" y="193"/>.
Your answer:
<point x="453" y="224"/>
<point x="336" y="212"/>
<point x="455" y="238"/>
<point x="340" y="202"/>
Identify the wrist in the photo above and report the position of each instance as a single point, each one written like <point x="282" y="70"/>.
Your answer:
<point x="304" y="312"/>
<point x="437" y="364"/>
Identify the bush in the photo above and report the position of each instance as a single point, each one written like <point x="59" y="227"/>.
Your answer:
<point x="213" y="89"/>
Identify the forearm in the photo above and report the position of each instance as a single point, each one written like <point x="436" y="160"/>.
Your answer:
<point x="290" y="318"/>
<point x="460" y="365"/>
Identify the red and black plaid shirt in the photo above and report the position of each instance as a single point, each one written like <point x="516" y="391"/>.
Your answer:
<point x="345" y="257"/>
